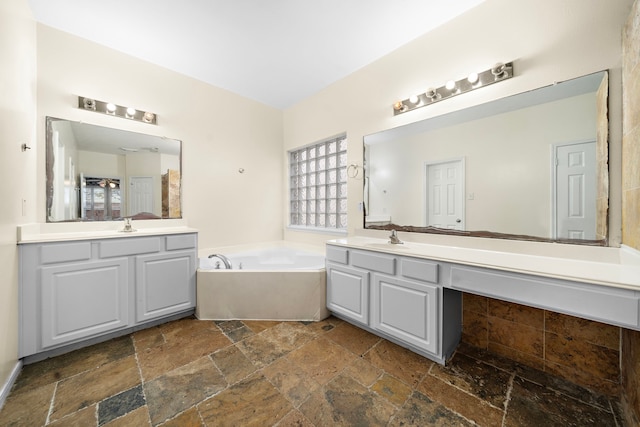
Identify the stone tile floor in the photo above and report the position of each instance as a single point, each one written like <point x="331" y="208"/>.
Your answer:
<point x="258" y="373"/>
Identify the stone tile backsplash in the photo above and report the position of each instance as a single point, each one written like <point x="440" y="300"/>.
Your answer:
<point x="582" y="351"/>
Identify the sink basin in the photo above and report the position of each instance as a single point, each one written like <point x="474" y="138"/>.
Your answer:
<point x="387" y="246"/>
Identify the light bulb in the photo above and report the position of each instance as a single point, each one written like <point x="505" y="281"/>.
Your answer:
<point x="111" y="108"/>
<point x="131" y="111"/>
<point x="397" y="106"/>
<point x="451" y="85"/>
<point x="148" y="117"/>
<point x="89" y="104"/>
<point x="473" y="78"/>
<point x="499" y="70"/>
<point x="414" y="99"/>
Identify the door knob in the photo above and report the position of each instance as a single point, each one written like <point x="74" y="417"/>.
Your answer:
<point x="458" y="220"/>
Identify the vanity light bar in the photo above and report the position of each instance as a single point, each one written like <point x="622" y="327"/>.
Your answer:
<point x="497" y="73"/>
<point x="117" y="110"/>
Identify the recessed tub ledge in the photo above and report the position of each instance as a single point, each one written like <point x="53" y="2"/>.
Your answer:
<point x="616" y="267"/>
<point x="53" y="232"/>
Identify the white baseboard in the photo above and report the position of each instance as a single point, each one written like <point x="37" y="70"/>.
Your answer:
<point x="6" y="387"/>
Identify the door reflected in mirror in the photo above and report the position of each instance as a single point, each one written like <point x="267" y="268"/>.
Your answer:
<point x="531" y="166"/>
<point x="96" y="173"/>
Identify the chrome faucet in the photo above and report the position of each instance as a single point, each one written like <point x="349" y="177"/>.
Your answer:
<point x="127" y="226"/>
<point x="225" y="260"/>
<point x="393" y="238"/>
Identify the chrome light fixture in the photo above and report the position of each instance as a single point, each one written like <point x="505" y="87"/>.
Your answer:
<point x="106" y="182"/>
<point x="117" y="110"/>
<point x="497" y="73"/>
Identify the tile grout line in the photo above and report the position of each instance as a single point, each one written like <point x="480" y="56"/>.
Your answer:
<point x="415" y="390"/>
<point x="260" y="370"/>
<point x="507" y="399"/>
<point x="544" y="340"/>
<point x="52" y="403"/>
<point x="615" y="419"/>
<point x="465" y="392"/>
<point x="144" y="394"/>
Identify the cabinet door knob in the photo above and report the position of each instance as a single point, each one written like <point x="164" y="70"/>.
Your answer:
<point x="458" y="220"/>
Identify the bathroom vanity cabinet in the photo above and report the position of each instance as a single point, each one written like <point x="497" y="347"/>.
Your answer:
<point x="74" y="291"/>
<point x="397" y="297"/>
<point x="410" y="293"/>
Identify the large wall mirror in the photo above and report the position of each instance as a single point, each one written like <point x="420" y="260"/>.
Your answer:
<point x="96" y="173"/>
<point x="530" y="166"/>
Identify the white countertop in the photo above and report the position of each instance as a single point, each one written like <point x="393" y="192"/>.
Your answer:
<point x="617" y="267"/>
<point x="57" y="232"/>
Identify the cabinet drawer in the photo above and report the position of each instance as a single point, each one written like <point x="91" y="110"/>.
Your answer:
<point x="340" y="255"/>
<point x="370" y="261"/>
<point x="609" y="305"/>
<point x="181" y="241"/>
<point x="130" y="246"/>
<point x="419" y="270"/>
<point x="65" y="252"/>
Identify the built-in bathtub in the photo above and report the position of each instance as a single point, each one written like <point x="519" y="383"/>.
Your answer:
<point x="267" y="282"/>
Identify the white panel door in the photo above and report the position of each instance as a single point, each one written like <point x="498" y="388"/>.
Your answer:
<point x="445" y="195"/>
<point x="576" y="191"/>
<point x="140" y="194"/>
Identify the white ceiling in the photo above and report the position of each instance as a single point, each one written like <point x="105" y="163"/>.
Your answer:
<point x="277" y="52"/>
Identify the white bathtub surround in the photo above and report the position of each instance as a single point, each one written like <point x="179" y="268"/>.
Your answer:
<point x="269" y="287"/>
<point x="267" y="259"/>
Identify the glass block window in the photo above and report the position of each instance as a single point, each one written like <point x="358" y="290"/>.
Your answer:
<point x="318" y="185"/>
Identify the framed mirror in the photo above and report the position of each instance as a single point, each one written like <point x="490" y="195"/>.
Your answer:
<point x="95" y="173"/>
<point x="531" y="166"/>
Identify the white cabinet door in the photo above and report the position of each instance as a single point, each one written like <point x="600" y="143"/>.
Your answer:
<point x="406" y="310"/>
<point x="348" y="292"/>
<point x="83" y="300"/>
<point x="165" y="284"/>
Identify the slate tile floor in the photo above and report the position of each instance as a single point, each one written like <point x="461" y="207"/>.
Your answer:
<point x="256" y="373"/>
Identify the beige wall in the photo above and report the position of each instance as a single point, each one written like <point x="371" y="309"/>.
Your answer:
<point x="17" y="169"/>
<point x="631" y="133"/>
<point x="631" y="201"/>
<point x="547" y="42"/>
<point x="220" y="133"/>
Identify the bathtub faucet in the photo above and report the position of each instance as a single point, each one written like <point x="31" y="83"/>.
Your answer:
<point x="224" y="259"/>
